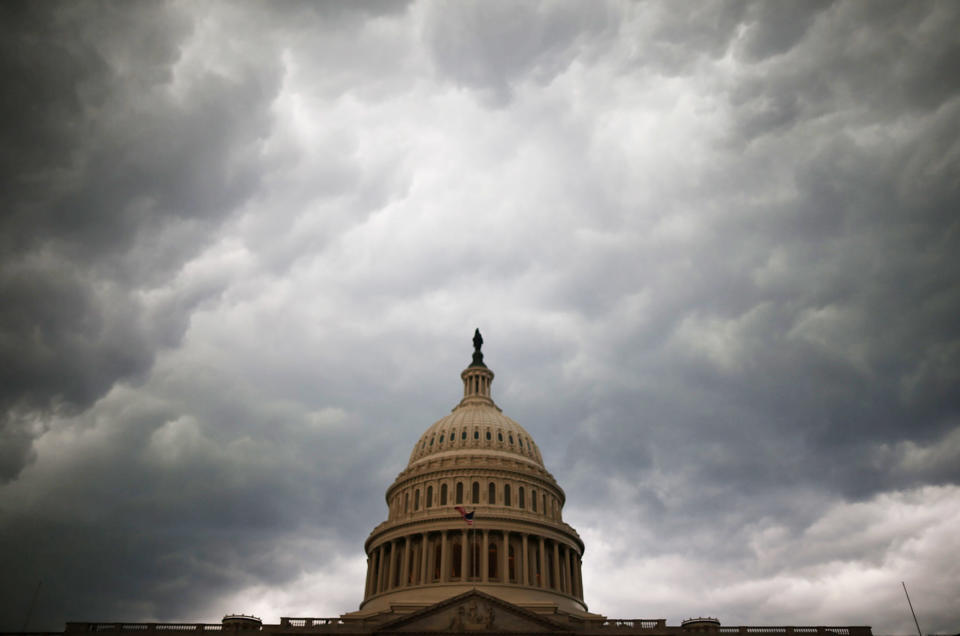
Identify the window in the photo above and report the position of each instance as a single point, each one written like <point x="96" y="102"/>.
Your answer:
<point x="463" y="434"/>
<point x="431" y="441"/>
<point x="506" y="495"/>
<point x="406" y="502"/>
<point x="437" y="555"/>
<point x="488" y="436"/>
<point x="533" y="499"/>
<point x="476" y="492"/>
<point x="511" y="440"/>
<point x="492" y="560"/>
<point x="520" y="501"/>
<point x="429" y="496"/>
<point x="492" y="494"/>
<point x="499" y="436"/>
<point x="459" y="492"/>
<point x="511" y="566"/>
<point x="476" y="435"/>
<point x="443" y="495"/>
<point x="416" y="500"/>
<point x="545" y="511"/>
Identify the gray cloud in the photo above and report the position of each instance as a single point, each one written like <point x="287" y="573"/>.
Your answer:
<point x="711" y="247"/>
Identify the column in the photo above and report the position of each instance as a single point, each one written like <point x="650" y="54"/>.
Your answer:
<point x="485" y="557"/>
<point x="444" y="556"/>
<point x="564" y="568"/>
<point x="573" y="573"/>
<point x="390" y="559"/>
<point x="556" y="565"/>
<point x="431" y="559"/>
<point x="423" y="559"/>
<point x="543" y="562"/>
<point x="505" y="561"/>
<point x="366" y="582"/>
<point x="525" y="560"/>
<point x="405" y="568"/>
<point x="580" y="576"/>
<point x="463" y="556"/>
<point x="381" y="566"/>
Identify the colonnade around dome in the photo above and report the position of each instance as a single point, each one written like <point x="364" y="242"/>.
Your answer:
<point x="474" y="556"/>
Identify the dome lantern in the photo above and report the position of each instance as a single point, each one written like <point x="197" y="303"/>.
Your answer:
<point x="477" y="378"/>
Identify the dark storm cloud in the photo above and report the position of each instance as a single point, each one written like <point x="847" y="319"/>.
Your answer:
<point x="115" y="170"/>
<point x="712" y="248"/>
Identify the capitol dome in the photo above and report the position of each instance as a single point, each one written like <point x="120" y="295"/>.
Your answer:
<point x="475" y="425"/>
<point x="475" y="508"/>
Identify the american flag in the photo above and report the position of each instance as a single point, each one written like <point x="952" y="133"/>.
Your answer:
<point x="467" y="516"/>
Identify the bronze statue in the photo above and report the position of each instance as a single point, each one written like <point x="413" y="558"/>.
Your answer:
<point x="477" y="354"/>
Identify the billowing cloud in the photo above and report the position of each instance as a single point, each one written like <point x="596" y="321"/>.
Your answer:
<point x="712" y="249"/>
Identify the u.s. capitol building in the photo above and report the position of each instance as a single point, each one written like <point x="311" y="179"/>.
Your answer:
<point x="474" y="541"/>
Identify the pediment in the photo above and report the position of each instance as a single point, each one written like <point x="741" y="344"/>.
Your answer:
<point x="472" y="611"/>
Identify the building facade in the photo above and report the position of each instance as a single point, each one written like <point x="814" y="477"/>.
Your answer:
<point x="474" y="541"/>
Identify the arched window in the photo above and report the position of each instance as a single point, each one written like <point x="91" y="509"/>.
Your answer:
<point x="492" y="560"/>
<point x="429" y="496"/>
<point x="459" y="492"/>
<point x="431" y="440"/>
<point x="506" y="495"/>
<point x="533" y="499"/>
<point x="443" y="495"/>
<point x="520" y="501"/>
<point x="476" y="492"/>
<point x="499" y="436"/>
<point x="492" y="494"/>
<point x="457" y="559"/>
<point x="511" y="440"/>
<point x="476" y="435"/>
<point x="463" y="434"/>
<point x="416" y="499"/>
<point x="488" y="436"/>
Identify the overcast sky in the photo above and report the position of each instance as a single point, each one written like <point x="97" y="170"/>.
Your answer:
<point x="713" y="249"/>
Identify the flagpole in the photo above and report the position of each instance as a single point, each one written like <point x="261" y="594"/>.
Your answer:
<point x="915" y="622"/>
